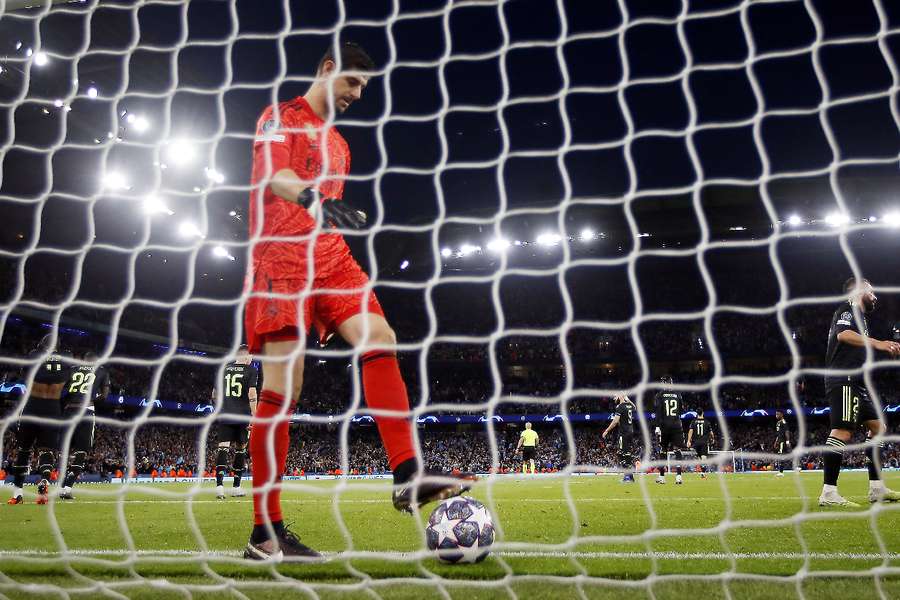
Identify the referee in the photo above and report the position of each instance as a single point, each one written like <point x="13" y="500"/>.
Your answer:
<point x="528" y="440"/>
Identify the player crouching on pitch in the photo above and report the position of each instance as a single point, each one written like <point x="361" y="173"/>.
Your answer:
<point x="847" y="395"/>
<point x="303" y="274"/>
<point x="42" y="414"/>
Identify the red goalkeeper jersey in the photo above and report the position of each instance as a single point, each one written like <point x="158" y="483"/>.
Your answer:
<point x="294" y="137"/>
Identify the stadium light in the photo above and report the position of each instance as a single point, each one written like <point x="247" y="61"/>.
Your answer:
<point x="115" y="181"/>
<point x="153" y="205"/>
<point x="549" y="239"/>
<point x="92" y="92"/>
<point x="446" y="252"/>
<point x="221" y="252"/>
<point x="467" y="249"/>
<point x="58" y="103"/>
<point x="404" y="265"/>
<point x="213" y="175"/>
<point x="892" y="219"/>
<point x="837" y="219"/>
<point x="180" y="152"/>
<point x="586" y="235"/>
<point x="40" y="58"/>
<point x="873" y="219"/>
<point x="498" y="245"/>
<point x="188" y="229"/>
<point x="794" y="220"/>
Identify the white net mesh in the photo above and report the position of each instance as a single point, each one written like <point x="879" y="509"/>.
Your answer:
<point x="565" y="199"/>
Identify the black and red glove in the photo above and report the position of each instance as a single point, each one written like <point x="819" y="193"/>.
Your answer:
<point x="336" y="213"/>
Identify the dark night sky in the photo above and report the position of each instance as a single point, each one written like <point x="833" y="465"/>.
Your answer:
<point x="439" y="109"/>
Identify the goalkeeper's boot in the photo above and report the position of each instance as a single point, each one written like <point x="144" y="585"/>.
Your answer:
<point x="220" y="492"/>
<point x="16" y="500"/>
<point x="42" y="487"/>
<point x="238" y="492"/>
<point x="430" y="486"/>
<point x="883" y="495"/>
<point x="285" y="544"/>
<point x="835" y="499"/>
<point x="66" y="494"/>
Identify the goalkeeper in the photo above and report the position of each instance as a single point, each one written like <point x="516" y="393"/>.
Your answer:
<point x="303" y="274"/>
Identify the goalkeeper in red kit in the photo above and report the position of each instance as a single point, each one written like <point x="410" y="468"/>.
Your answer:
<point x="302" y="275"/>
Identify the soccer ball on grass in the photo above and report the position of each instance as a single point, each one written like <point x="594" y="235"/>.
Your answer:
<point x="460" y="530"/>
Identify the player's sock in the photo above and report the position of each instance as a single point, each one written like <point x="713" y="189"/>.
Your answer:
<point x="662" y="473"/>
<point x="678" y="457"/>
<point x="781" y="466"/>
<point x="532" y="466"/>
<point x="261" y="533"/>
<point x="240" y="460"/>
<point x="221" y="465"/>
<point x="76" y="468"/>
<point x="384" y="389"/>
<point x="266" y="471"/>
<point x="45" y="464"/>
<point x="524" y="468"/>
<point x="20" y="469"/>
<point x="873" y="460"/>
<point x="833" y="456"/>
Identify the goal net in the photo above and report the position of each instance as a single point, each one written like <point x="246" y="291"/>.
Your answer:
<point x="566" y="202"/>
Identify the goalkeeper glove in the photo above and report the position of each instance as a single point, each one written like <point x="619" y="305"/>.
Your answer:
<point x="336" y="213"/>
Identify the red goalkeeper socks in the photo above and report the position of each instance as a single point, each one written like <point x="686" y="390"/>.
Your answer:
<point x="268" y="468"/>
<point x="384" y="389"/>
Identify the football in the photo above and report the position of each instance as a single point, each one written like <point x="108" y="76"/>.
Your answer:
<point x="460" y="530"/>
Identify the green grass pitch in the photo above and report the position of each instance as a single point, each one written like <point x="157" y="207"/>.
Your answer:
<point x="578" y="537"/>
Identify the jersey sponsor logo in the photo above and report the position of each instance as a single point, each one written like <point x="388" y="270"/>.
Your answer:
<point x="846" y="318"/>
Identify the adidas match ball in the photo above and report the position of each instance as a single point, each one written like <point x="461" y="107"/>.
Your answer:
<point x="460" y="530"/>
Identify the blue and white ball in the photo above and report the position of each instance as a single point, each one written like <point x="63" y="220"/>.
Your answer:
<point x="460" y="530"/>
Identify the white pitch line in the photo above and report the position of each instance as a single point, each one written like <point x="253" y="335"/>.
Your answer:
<point x="357" y="555"/>
<point x="496" y="500"/>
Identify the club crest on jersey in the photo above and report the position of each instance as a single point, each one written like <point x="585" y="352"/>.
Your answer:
<point x="310" y="132"/>
<point x="268" y="126"/>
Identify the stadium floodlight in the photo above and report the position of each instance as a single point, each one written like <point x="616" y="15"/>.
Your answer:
<point x="92" y="92"/>
<point x="794" y="220"/>
<point x="140" y="124"/>
<point x="586" y="235"/>
<point x="467" y="249"/>
<point x="115" y="181"/>
<point x="221" y="252"/>
<point x="58" y="103"/>
<point x="892" y="219"/>
<point x="180" y="152"/>
<point x="549" y="239"/>
<point x="404" y="265"/>
<point x="188" y="229"/>
<point x="498" y="245"/>
<point x="446" y="252"/>
<point x="153" y="205"/>
<point x="213" y="175"/>
<point x="40" y="58"/>
<point x="837" y="219"/>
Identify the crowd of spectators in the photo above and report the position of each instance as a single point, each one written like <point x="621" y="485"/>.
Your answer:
<point x="156" y="449"/>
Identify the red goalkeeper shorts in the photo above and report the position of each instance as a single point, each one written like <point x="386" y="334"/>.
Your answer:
<point x="280" y="306"/>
